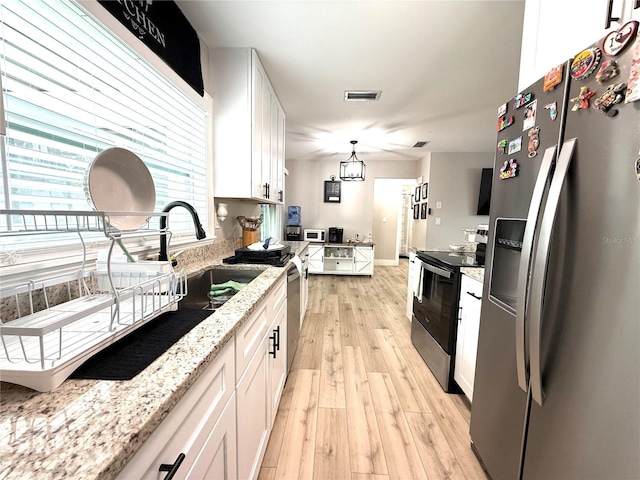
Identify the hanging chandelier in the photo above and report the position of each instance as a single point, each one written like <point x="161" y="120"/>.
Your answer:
<point x="352" y="169"/>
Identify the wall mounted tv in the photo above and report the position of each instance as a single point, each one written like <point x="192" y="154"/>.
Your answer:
<point x="484" y="197"/>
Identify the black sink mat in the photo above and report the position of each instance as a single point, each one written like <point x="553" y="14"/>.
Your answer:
<point x="130" y="355"/>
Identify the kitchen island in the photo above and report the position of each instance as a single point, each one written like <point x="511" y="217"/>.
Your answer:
<point x="90" y="429"/>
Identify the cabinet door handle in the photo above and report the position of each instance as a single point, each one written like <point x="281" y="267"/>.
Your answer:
<point x="276" y="342"/>
<point x="172" y="468"/>
<point x="610" y="18"/>
<point x="280" y="195"/>
<point x="474" y="295"/>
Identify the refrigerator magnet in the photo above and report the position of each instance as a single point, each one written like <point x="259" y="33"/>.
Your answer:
<point x="509" y="169"/>
<point x="615" y="42"/>
<point x="530" y="112"/>
<point x="607" y="71"/>
<point x="515" y="145"/>
<point x="585" y="63"/>
<point x="553" y="110"/>
<point x="502" y="109"/>
<point x="638" y="169"/>
<point x="502" y="146"/>
<point x="521" y="99"/>
<point x="504" y="122"/>
<point x="553" y="78"/>
<point x="534" y="141"/>
<point x="581" y="102"/>
<point x="613" y="95"/>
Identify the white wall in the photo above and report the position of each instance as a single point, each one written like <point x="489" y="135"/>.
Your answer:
<point x="355" y="212"/>
<point x="454" y="180"/>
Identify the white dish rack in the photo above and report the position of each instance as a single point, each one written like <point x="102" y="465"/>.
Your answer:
<point x="43" y="346"/>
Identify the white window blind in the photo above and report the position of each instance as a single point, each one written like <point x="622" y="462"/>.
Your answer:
<point x="71" y="90"/>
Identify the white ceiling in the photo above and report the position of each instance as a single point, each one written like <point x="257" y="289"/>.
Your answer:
<point x="443" y="68"/>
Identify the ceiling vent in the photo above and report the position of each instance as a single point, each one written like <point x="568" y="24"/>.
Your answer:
<point x="362" y="95"/>
<point x="420" y="144"/>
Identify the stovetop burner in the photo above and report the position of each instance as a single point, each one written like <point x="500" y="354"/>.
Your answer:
<point x="450" y="259"/>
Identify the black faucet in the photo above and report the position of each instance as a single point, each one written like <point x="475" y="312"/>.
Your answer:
<point x="200" y="233"/>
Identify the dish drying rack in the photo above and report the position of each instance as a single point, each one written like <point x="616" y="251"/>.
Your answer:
<point x="42" y="347"/>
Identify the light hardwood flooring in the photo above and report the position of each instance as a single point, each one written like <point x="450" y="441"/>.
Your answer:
<point x="360" y="403"/>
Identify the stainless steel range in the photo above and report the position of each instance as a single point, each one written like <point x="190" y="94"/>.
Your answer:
<point x="435" y="311"/>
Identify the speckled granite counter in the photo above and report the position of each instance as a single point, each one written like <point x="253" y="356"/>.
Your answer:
<point x="475" y="273"/>
<point x="89" y="429"/>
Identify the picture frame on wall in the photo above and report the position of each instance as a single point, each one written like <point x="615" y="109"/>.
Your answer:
<point x="416" y="195"/>
<point x="416" y="211"/>
<point x="332" y="191"/>
<point x="423" y="211"/>
<point x="425" y="190"/>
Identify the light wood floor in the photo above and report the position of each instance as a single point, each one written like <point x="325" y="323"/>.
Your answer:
<point x="360" y="403"/>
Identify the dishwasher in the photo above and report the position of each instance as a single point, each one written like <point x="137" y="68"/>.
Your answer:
<point x="293" y="313"/>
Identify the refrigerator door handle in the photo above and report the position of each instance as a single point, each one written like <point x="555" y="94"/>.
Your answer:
<point x="524" y="271"/>
<point x="541" y="263"/>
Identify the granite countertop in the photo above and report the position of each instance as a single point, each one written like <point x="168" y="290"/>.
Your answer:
<point x="296" y="247"/>
<point x="90" y="429"/>
<point x="477" y="273"/>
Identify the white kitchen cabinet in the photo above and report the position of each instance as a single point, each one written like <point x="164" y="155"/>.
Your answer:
<point x="260" y="385"/>
<point x="195" y="427"/>
<point x="248" y="128"/>
<point x="468" y="328"/>
<point x="218" y="458"/>
<point x="363" y="259"/>
<point x="414" y="274"/>
<point x="253" y="413"/>
<point x="222" y="423"/>
<point x="316" y="258"/>
<point x="547" y="40"/>
<point x="341" y="259"/>
<point x="277" y="352"/>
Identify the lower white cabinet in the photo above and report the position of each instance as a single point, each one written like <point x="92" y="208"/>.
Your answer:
<point x="316" y="258"/>
<point x="363" y="260"/>
<point x="253" y="421"/>
<point x="221" y="426"/>
<point x="195" y="428"/>
<point x="341" y="259"/>
<point x="468" y="328"/>
<point x="261" y="384"/>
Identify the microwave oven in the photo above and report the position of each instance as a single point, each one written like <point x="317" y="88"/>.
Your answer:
<point x="313" y="235"/>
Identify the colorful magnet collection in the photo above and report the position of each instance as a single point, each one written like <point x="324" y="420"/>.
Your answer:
<point x="583" y="65"/>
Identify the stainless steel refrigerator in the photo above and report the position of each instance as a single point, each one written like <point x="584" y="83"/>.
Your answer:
<point x="557" y="386"/>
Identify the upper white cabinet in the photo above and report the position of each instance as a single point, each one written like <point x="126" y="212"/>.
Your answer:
<point x="555" y="30"/>
<point x="248" y="128"/>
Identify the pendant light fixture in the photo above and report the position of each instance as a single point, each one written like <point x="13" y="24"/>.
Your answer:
<point x="352" y="169"/>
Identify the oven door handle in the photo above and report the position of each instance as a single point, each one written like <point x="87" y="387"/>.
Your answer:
<point x="436" y="270"/>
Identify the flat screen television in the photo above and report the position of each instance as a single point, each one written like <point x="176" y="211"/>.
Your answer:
<point x="484" y="197"/>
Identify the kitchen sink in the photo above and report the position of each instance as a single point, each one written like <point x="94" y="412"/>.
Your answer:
<point x="198" y="286"/>
<point x="130" y="355"/>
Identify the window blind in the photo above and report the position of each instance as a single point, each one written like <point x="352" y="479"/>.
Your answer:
<point x="73" y="89"/>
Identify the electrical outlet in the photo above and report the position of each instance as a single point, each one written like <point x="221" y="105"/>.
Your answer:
<point x="438" y="206"/>
<point x="438" y="221"/>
